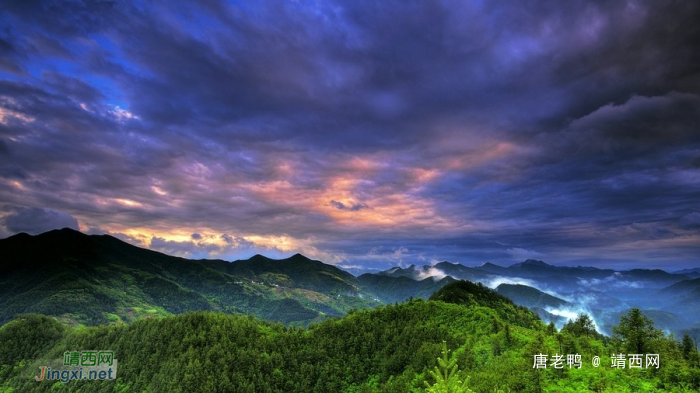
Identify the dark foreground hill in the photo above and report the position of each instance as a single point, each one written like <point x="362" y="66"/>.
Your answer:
<point x="99" y="279"/>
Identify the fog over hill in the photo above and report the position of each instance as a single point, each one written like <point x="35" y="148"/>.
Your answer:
<point x="559" y="294"/>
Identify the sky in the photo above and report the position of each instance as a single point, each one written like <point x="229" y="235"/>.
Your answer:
<point x="361" y="133"/>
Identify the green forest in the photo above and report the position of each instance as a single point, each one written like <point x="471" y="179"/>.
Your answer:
<point x="465" y="338"/>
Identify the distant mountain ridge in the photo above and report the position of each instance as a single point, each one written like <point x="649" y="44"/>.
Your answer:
<point x="545" y="272"/>
<point x="295" y="271"/>
<point x="692" y="273"/>
<point x="602" y="293"/>
<point x="531" y="263"/>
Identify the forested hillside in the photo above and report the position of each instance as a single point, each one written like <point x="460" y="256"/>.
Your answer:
<point x="390" y="349"/>
<point x="91" y="280"/>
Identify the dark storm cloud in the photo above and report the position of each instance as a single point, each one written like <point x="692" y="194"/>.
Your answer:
<point x="4" y="150"/>
<point x="37" y="220"/>
<point x="691" y="220"/>
<point x="468" y="131"/>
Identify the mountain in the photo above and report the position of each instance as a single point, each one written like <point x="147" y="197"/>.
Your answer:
<point x="439" y="270"/>
<point x="537" y="301"/>
<point x="602" y="293"/>
<point x="683" y="298"/>
<point x="492" y="268"/>
<point x="390" y="289"/>
<point x="469" y="294"/>
<point x="462" y="272"/>
<point x="652" y="278"/>
<point x="96" y="279"/>
<point x="530" y="297"/>
<point x="532" y="264"/>
<point x="532" y="268"/>
<point x="666" y="320"/>
<point x="296" y="271"/>
<point x="691" y="273"/>
<point x="559" y="278"/>
<point x="409" y="272"/>
<point x="683" y="288"/>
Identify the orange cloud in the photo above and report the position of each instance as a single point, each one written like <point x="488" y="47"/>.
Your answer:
<point x="380" y="205"/>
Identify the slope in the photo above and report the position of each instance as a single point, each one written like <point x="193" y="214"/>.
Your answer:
<point x="391" y="349"/>
<point x="96" y="279"/>
<point x="390" y="289"/>
<point x="530" y="297"/>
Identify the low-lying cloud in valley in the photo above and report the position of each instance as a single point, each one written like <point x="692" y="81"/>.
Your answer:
<point x="433" y="272"/>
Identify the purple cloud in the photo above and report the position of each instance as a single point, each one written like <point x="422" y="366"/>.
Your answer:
<point x="35" y="220"/>
<point x="340" y="128"/>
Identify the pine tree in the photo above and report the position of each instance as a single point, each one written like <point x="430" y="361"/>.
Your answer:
<point x="688" y="347"/>
<point x="446" y="375"/>
<point x="636" y="331"/>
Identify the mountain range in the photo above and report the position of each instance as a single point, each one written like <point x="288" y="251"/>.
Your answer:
<point x="559" y="294"/>
<point x="96" y="279"/>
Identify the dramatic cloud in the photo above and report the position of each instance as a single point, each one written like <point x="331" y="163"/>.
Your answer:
<point x="691" y="220"/>
<point x="36" y="220"/>
<point x="363" y="133"/>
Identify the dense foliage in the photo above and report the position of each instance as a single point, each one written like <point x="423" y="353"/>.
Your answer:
<point x="489" y="344"/>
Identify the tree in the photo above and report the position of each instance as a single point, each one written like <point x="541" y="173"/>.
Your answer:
<point x="509" y="338"/>
<point x="446" y="375"/>
<point x="636" y="332"/>
<point x="688" y="347"/>
<point x="582" y="326"/>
